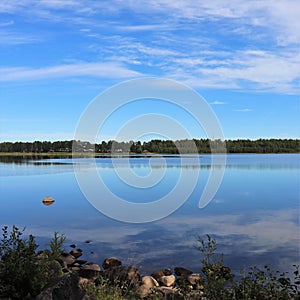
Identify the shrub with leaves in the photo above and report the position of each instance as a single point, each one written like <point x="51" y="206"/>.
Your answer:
<point x="22" y="274"/>
<point x="260" y="284"/>
<point x="219" y="278"/>
<point x="56" y="245"/>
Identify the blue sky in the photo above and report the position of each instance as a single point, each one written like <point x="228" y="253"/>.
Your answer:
<point x="57" y="55"/>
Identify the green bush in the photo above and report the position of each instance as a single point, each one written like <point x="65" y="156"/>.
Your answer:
<point x="260" y="284"/>
<point x="23" y="274"/>
<point x="56" y="245"/>
<point x="104" y="290"/>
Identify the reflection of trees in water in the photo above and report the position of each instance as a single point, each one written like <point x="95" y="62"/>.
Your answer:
<point x="27" y="159"/>
<point x="144" y="161"/>
<point x="206" y="167"/>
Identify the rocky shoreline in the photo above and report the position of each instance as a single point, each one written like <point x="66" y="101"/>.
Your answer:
<point x="55" y="274"/>
<point x="79" y="274"/>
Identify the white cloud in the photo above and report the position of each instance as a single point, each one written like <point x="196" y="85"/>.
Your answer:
<point x="146" y="27"/>
<point x="281" y="18"/>
<point x="172" y="50"/>
<point x="217" y="102"/>
<point x="105" y="70"/>
<point x="270" y="71"/>
<point x="14" y="38"/>
<point x="8" y="23"/>
<point x="243" y="110"/>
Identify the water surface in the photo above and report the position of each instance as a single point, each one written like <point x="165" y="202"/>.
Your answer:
<point x="254" y="216"/>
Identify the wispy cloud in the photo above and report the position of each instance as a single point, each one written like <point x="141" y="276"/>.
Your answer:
<point x="15" y="38"/>
<point x="217" y="102"/>
<point x="243" y="110"/>
<point x="280" y="18"/>
<point x="199" y="59"/>
<point x="277" y="72"/>
<point x="146" y="27"/>
<point x="105" y="70"/>
<point x="8" y="23"/>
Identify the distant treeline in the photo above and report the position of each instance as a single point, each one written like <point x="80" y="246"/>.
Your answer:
<point x="157" y="146"/>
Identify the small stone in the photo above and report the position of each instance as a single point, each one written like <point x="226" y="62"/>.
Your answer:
<point x="194" y="278"/>
<point x="92" y="266"/>
<point x="90" y="271"/>
<point x="48" y="201"/>
<point x="162" y="272"/>
<point x="76" y="264"/>
<point x="67" y="258"/>
<point x="76" y="253"/>
<point x="73" y="246"/>
<point x="111" y="262"/>
<point x="168" y="280"/>
<point x="149" y="282"/>
<point x="179" y="271"/>
<point x="81" y="261"/>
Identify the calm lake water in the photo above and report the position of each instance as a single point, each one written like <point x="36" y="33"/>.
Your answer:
<point x="254" y="216"/>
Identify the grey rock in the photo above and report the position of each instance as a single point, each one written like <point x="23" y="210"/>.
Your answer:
<point x="64" y="288"/>
<point x="90" y="271"/>
<point x="168" y="280"/>
<point x="120" y="274"/>
<point x="180" y="271"/>
<point x="161" y="272"/>
<point x="111" y="262"/>
<point x="92" y="266"/>
<point x="67" y="259"/>
<point x="76" y="253"/>
<point x="194" y="278"/>
<point x="80" y="261"/>
<point x="149" y="282"/>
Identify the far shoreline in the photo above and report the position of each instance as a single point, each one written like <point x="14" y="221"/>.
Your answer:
<point x="99" y="155"/>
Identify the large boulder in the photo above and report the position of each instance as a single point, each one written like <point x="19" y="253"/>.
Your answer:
<point x="67" y="259"/>
<point x="76" y="253"/>
<point x="111" y="262"/>
<point x="148" y="283"/>
<point x="183" y="272"/>
<point x="167" y="280"/>
<point x="121" y="274"/>
<point x="92" y="266"/>
<point x="157" y="274"/>
<point x="67" y="287"/>
<point x="90" y="271"/>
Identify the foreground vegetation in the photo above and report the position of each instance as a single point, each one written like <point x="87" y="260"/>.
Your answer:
<point x="154" y="146"/>
<point x="26" y="273"/>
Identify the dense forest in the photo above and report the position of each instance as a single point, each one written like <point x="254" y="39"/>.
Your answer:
<point x="157" y="146"/>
